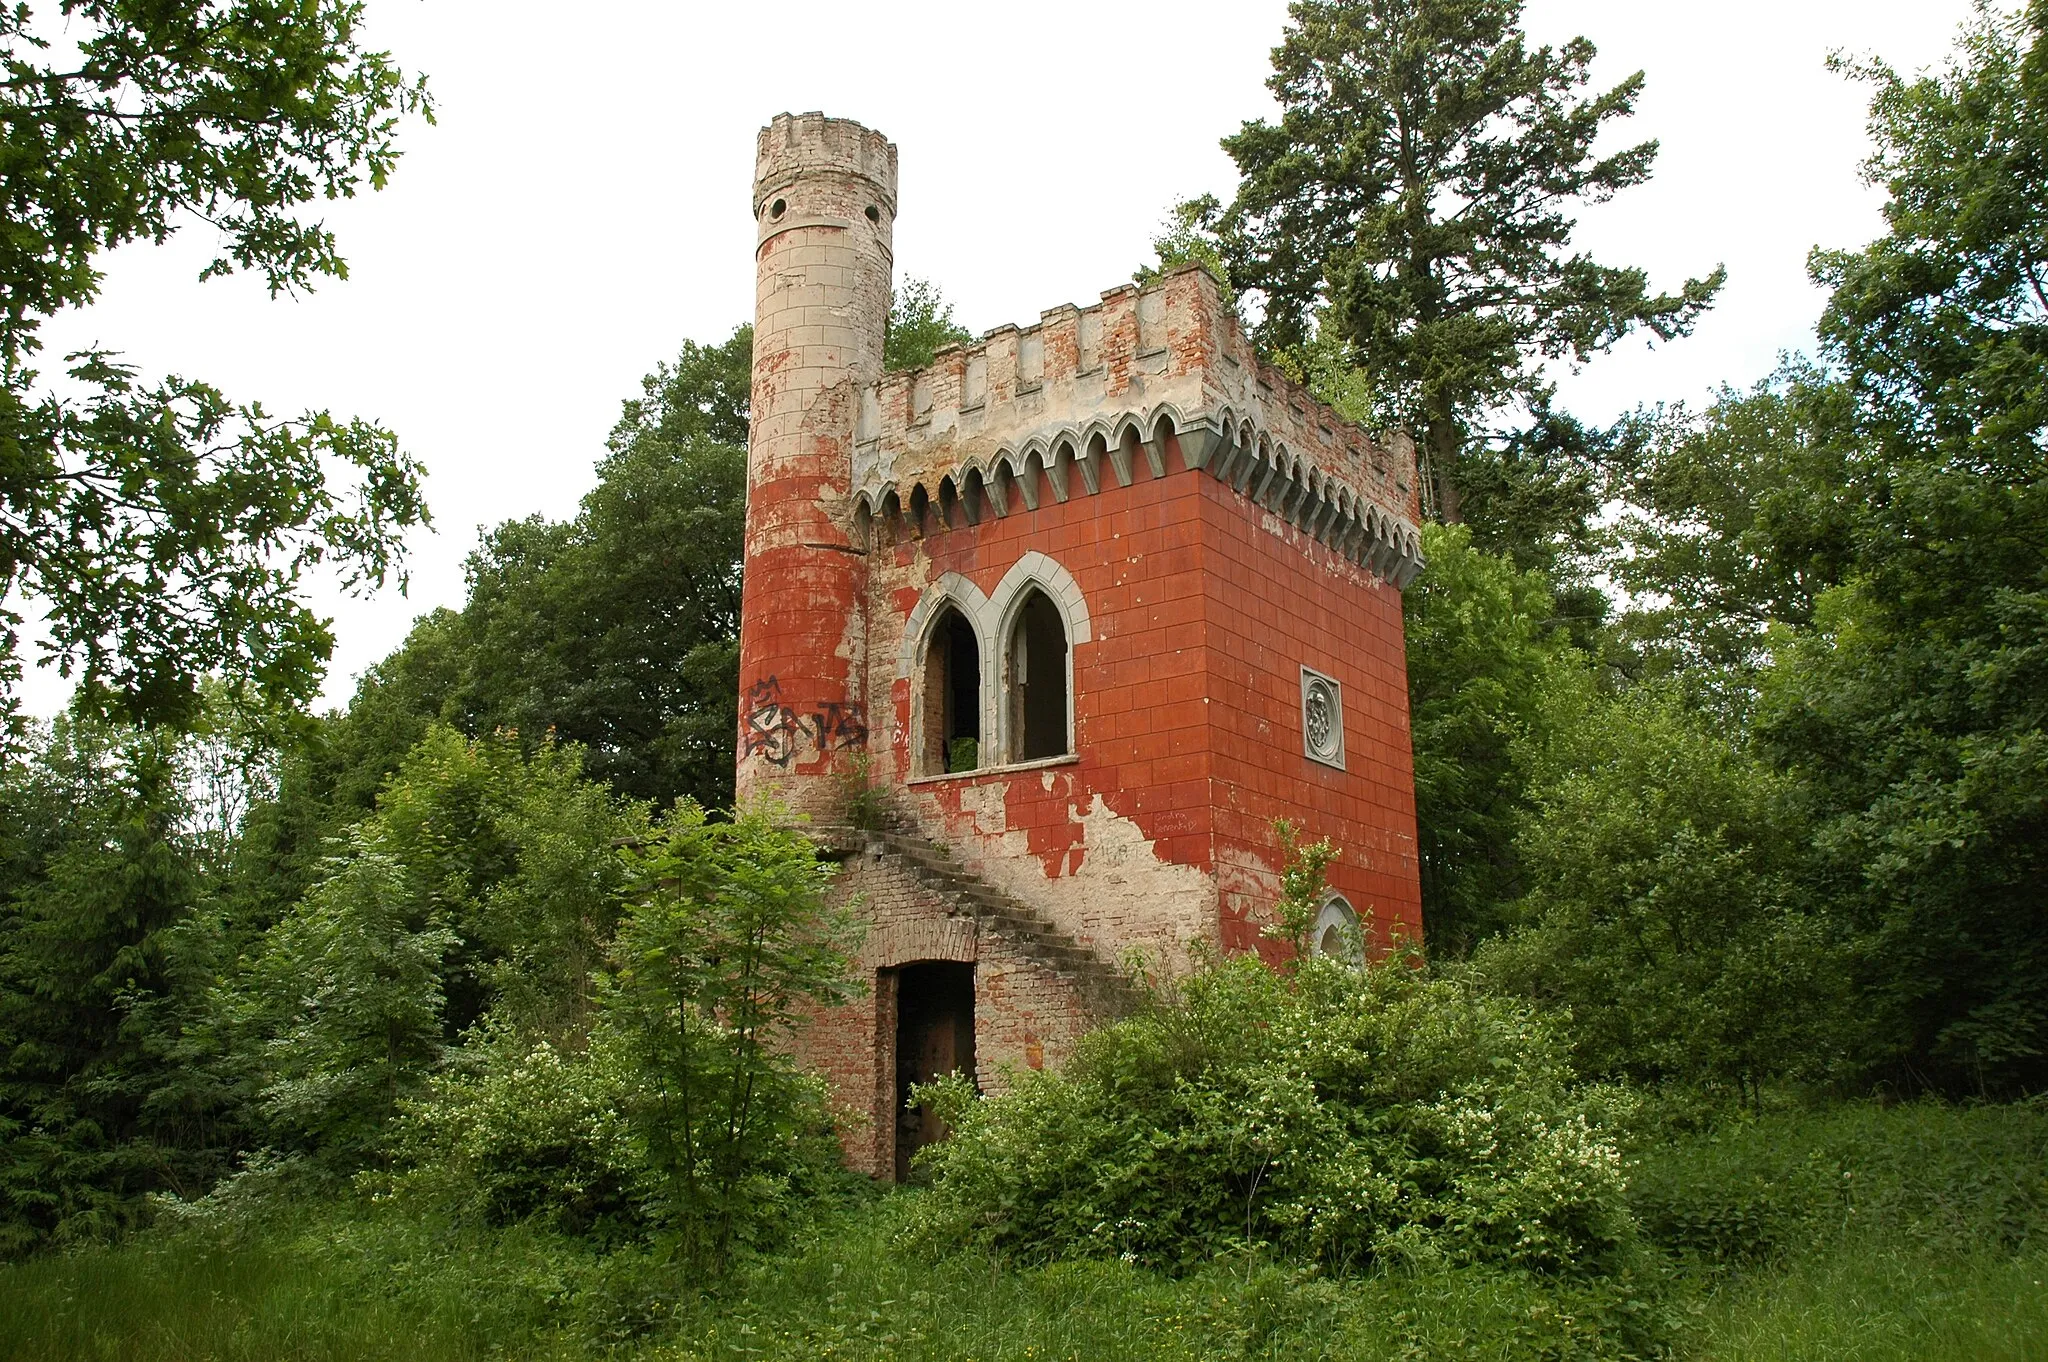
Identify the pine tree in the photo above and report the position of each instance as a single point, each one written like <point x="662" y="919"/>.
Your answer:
<point x="1413" y="207"/>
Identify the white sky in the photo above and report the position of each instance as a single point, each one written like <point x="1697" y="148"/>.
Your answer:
<point x="582" y="207"/>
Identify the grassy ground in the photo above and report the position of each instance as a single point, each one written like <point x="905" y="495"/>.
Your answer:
<point x="1914" y="1233"/>
<point x="1879" y="1304"/>
<point x="195" y="1297"/>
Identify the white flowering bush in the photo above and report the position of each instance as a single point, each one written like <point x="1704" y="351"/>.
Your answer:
<point x="1347" y="1116"/>
<point x="523" y="1130"/>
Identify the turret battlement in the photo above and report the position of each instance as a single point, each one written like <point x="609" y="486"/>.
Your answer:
<point x="795" y="146"/>
<point x="1086" y="392"/>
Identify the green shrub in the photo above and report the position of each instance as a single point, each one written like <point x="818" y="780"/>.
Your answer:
<point x="1339" y="1115"/>
<point x="1662" y="908"/>
<point x="726" y="945"/>
<point x="1949" y="1179"/>
<point x="681" y="1117"/>
<point x="523" y="1131"/>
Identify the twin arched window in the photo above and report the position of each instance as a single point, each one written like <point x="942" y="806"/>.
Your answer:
<point x="1027" y="701"/>
<point x="1035" y="680"/>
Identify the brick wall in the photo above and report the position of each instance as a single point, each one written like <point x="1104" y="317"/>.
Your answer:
<point x="1026" y="1016"/>
<point x="1275" y="601"/>
<point x="1203" y="608"/>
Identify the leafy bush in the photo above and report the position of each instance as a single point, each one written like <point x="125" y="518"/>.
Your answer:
<point x="1662" y="908"/>
<point x="523" y="1131"/>
<point x="1346" y="1116"/>
<point x="1949" y="1179"/>
<point x="726" y="943"/>
<point x="683" y="1116"/>
<point x="486" y="884"/>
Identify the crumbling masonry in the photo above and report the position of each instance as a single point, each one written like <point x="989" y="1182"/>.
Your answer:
<point x="1090" y="604"/>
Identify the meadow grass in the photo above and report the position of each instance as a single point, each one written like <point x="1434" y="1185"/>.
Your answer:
<point x="1858" y="1233"/>
<point x="181" y="1300"/>
<point x="1875" y="1302"/>
<point x="200" y="1297"/>
<point x="343" y="1286"/>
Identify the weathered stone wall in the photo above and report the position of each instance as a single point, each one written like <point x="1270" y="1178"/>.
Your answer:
<point x="1275" y="601"/>
<point x="1112" y="844"/>
<point x="1201" y="608"/>
<point x="1025" y="1015"/>
<point x="824" y="209"/>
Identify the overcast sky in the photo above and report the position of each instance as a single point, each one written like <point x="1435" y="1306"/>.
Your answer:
<point x="582" y="206"/>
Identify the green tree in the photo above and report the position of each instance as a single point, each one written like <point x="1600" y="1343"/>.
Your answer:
<point x="1914" y="710"/>
<point x="920" y="325"/>
<point x="101" y="964"/>
<point x="1413" y="207"/>
<point x="1733" y="521"/>
<point x="354" y="983"/>
<point x="484" y="887"/>
<point x="1485" y="667"/>
<point x="162" y="530"/>
<point x="617" y="631"/>
<point x="1665" y="909"/>
<point x="727" y="944"/>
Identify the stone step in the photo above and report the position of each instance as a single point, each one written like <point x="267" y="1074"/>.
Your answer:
<point x="1038" y="936"/>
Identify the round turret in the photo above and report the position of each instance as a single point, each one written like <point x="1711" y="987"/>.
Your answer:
<point x="824" y="202"/>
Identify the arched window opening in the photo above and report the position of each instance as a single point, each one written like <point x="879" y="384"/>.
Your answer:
<point x="952" y="697"/>
<point x="1037" y="677"/>
<point x="1337" y="932"/>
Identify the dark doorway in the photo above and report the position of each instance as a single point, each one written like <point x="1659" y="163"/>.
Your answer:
<point x="1038" y="681"/>
<point x="934" y="1037"/>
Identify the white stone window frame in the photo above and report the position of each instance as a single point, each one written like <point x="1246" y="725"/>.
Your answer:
<point x="1337" y="912"/>
<point x="955" y="591"/>
<point x="1332" y="754"/>
<point x="992" y="616"/>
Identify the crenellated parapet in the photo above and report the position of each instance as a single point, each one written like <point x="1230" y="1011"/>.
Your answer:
<point x="1091" y="398"/>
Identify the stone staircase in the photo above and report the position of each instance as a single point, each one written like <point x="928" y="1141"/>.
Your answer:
<point x="1102" y="987"/>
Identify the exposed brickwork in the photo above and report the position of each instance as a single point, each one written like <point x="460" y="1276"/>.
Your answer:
<point x="1027" y="1012"/>
<point x="1201" y="528"/>
<point x="824" y="209"/>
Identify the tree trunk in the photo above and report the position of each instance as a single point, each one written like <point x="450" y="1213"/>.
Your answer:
<point x="1441" y="437"/>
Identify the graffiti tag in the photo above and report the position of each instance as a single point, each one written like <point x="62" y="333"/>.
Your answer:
<point x="775" y="732"/>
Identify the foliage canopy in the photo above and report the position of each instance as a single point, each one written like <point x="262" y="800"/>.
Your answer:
<point x="1413" y="206"/>
<point x="163" y="530"/>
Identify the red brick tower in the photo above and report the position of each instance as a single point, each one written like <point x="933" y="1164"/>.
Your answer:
<point x="1101" y="597"/>
<point x="824" y="208"/>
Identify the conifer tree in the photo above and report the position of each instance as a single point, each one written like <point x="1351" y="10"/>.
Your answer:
<point x="100" y="961"/>
<point x="1412" y="208"/>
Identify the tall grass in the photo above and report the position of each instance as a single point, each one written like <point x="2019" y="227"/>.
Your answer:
<point x="1879" y="1302"/>
<point x="1853" y="1233"/>
<point x="846" y="1294"/>
<point x="178" y="1300"/>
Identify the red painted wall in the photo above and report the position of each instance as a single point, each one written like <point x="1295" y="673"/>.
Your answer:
<point x="1275" y="601"/>
<point x="1203" y="609"/>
